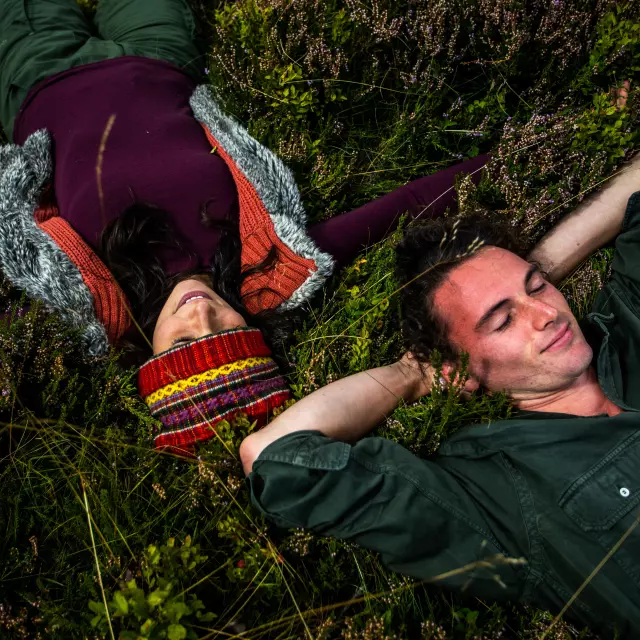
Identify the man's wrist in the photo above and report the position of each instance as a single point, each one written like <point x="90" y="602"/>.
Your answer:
<point x="409" y="380"/>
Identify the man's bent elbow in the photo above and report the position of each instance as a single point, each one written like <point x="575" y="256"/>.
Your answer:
<point x="249" y="451"/>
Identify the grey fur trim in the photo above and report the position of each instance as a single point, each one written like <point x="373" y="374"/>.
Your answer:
<point x="275" y="185"/>
<point x="29" y="258"/>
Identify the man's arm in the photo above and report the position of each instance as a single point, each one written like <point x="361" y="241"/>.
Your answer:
<point x="596" y="222"/>
<point x="417" y="515"/>
<point x="344" y="410"/>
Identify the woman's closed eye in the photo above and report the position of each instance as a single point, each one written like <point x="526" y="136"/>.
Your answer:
<point x="182" y="340"/>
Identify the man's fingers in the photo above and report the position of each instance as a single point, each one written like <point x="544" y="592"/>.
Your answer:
<point x="422" y="370"/>
<point x="621" y="95"/>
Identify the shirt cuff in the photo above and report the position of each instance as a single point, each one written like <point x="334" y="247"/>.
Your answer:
<point x="309" y="449"/>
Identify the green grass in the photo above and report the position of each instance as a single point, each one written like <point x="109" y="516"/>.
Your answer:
<point x="93" y="517"/>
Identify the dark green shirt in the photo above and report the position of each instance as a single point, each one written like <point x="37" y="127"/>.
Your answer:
<point x="555" y="489"/>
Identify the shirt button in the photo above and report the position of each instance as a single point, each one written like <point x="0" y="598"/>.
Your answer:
<point x="624" y="492"/>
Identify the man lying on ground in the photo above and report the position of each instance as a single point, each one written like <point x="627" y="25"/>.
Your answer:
<point x="557" y="485"/>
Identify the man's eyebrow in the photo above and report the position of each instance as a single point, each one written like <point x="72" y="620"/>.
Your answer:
<point x="533" y="269"/>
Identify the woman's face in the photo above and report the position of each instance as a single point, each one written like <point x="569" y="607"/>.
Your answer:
<point x="192" y="310"/>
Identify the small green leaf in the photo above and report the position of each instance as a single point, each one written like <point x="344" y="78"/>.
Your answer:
<point x="120" y="603"/>
<point x="176" y="632"/>
<point x="146" y="628"/>
<point x="97" y="607"/>
<point x="176" y="610"/>
<point x="157" y="597"/>
<point x="206" y="617"/>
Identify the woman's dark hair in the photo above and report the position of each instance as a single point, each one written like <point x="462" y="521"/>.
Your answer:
<point x="132" y="247"/>
<point x="425" y="255"/>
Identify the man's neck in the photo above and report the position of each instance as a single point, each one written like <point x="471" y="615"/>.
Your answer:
<point x="584" y="397"/>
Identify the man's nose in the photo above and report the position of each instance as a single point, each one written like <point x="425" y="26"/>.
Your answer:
<point x="541" y="313"/>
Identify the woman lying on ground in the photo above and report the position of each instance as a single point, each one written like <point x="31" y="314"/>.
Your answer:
<point x="135" y="207"/>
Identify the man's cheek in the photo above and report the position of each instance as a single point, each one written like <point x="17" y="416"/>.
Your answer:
<point x="485" y="361"/>
<point x="557" y="300"/>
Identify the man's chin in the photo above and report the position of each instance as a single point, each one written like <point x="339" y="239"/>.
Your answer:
<point x="578" y="360"/>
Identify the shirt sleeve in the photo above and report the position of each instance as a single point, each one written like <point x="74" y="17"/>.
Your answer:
<point x="617" y="315"/>
<point x="625" y="267"/>
<point x="379" y="495"/>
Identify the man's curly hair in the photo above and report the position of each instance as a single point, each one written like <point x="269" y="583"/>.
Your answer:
<point x="425" y="255"/>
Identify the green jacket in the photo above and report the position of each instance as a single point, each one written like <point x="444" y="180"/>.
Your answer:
<point x="556" y="489"/>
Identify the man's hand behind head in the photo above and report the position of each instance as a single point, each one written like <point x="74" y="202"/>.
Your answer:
<point x="420" y="374"/>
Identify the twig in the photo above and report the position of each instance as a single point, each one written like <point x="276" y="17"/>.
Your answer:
<point x="95" y="555"/>
<point x="100" y="161"/>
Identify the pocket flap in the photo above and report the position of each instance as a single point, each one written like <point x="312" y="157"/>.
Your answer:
<point x="608" y="491"/>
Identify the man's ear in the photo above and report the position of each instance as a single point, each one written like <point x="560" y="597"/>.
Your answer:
<point x="450" y="374"/>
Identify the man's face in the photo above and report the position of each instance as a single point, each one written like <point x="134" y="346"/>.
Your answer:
<point x="517" y="328"/>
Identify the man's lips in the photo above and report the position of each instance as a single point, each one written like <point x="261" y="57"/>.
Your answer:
<point x="561" y="339"/>
<point x="192" y="294"/>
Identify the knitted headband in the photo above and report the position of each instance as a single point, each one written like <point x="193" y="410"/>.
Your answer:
<point x="192" y="387"/>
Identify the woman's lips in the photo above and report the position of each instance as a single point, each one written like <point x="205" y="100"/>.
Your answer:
<point x="193" y="294"/>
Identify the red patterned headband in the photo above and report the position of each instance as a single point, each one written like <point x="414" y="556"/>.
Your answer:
<point x="193" y="387"/>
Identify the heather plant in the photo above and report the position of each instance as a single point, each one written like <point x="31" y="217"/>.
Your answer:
<point x="104" y="538"/>
<point x="360" y="98"/>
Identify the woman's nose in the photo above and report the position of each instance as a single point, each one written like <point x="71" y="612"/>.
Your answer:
<point x="205" y="318"/>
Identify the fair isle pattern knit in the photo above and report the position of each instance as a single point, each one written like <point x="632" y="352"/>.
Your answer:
<point x="31" y="260"/>
<point x="227" y="370"/>
<point x="191" y="388"/>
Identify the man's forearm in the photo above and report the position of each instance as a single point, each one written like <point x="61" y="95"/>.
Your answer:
<point x="596" y="222"/>
<point x="344" y="410"/>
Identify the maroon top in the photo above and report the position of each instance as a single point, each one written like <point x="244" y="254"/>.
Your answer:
<point x="157" y="153"/>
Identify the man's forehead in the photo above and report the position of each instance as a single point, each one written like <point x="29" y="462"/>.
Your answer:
<point x="480" y="281"/>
